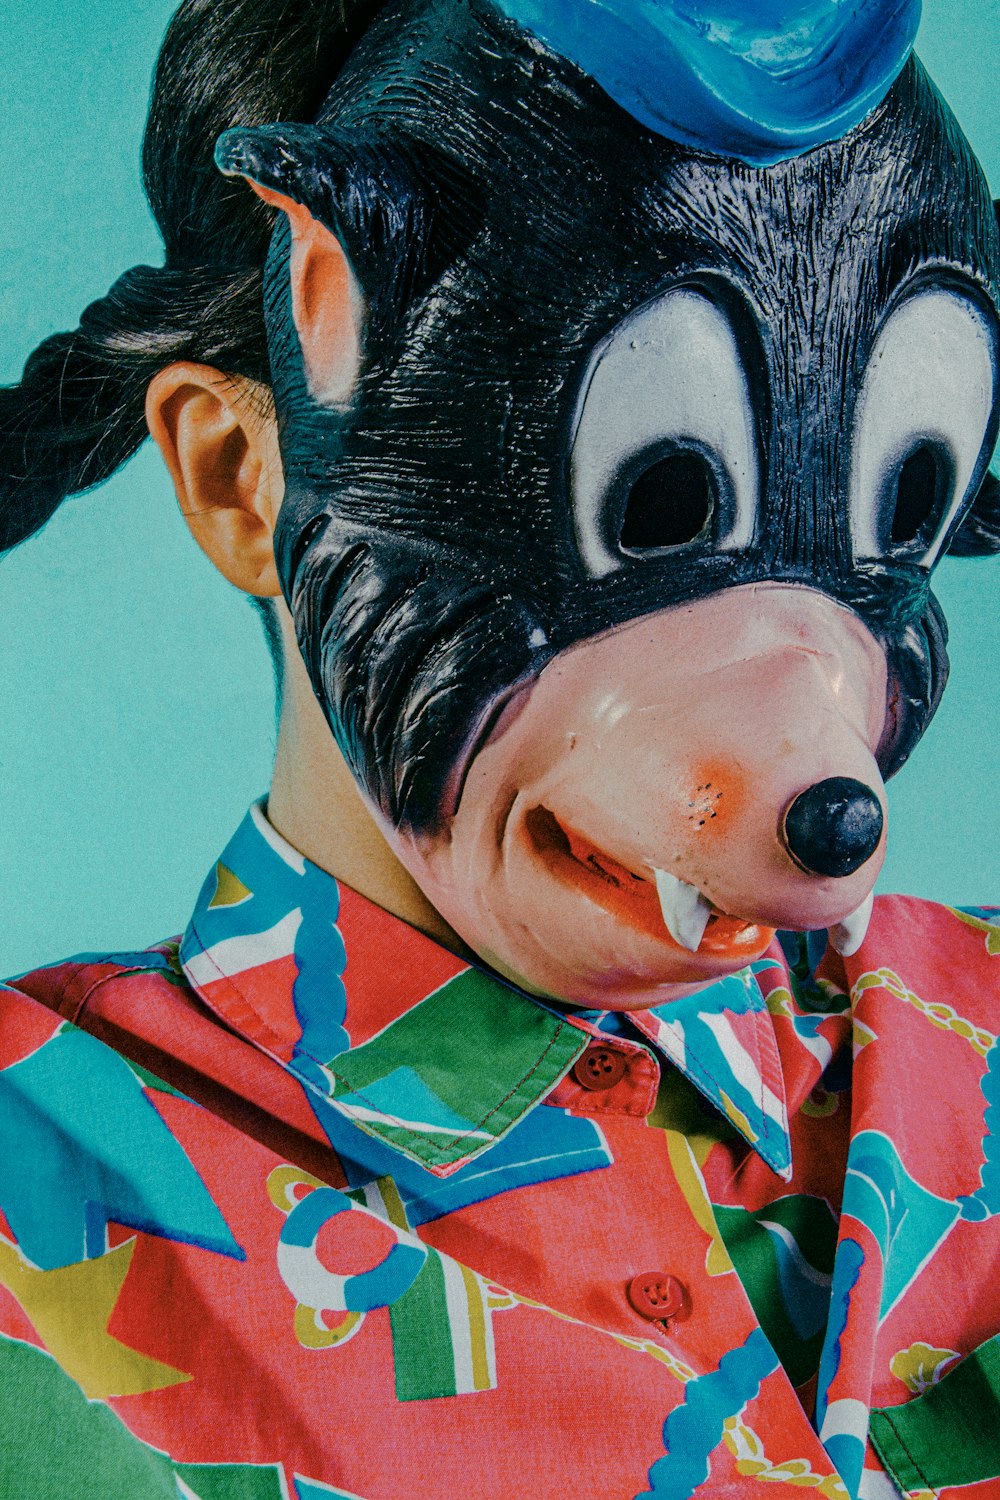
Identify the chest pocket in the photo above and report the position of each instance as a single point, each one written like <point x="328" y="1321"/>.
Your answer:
<point x="950" y="1435"/>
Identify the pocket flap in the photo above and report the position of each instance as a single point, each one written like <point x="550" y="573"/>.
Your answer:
<point x="949" y="1435"/>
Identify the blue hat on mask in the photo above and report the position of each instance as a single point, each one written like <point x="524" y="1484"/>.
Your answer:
<point x="760" y="80"/>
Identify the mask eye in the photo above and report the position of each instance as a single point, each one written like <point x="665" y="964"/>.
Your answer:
<point x="924" y="481"/>
<point x="923" y="425"/>
<point x="664" y="451"/>
<point x="671" y="502"/>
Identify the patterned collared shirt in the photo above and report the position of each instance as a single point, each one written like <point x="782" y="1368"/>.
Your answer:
<point x="305" y="1205"/>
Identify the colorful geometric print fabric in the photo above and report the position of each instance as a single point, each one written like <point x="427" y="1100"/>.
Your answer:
<point x="308" y="1206"/>
<point x="415" y="1077"/>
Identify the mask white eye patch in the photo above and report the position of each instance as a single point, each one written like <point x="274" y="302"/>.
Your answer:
<point x="664" y="447"/>
<point x="920" y="423"/>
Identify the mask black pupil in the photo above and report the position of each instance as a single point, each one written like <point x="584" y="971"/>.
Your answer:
<point x="670" y="503"/>
<point x="918" y="493"/>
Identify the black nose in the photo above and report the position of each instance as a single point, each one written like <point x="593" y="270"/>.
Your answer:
<point x="834" y="826"/>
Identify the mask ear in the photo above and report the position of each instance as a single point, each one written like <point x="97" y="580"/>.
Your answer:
<point x="397" y="224"/>
<point x="327" y="303"/>
<point x="979" y="533"/>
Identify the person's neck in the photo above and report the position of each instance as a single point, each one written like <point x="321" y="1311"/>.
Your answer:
<point x="315" y="804"/>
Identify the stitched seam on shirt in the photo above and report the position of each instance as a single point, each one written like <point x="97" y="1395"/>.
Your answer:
<point x="62" y="998"/>
<point x="74" y="1019"/>
<point x="587" y="1104"/>
<point x="439" y="1149"/>
<point x="690" y="1052"/>
<point x="759" y="1101"/>
<point x="275" y="1040"/>
<point x="583" y="1102"/>
<point x="443" y="1149"/>
<point x="902" y="1443"/>
<point x="758" y="1055"/>
<point x="768" y="1127"/>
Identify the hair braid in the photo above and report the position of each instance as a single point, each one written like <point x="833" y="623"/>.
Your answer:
<point x="78" y="412"/>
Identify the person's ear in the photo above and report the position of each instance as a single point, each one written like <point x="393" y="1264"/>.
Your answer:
<point x="218" y="437"/>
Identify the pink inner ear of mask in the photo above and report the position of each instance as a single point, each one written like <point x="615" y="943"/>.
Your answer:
<point x="326" y="302"/>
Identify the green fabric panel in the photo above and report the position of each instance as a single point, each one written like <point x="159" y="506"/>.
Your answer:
<point x="152" y="1082"/>
<point x="421" y="1337"/>
<point x="57" y="1445"/>
<point x="754" y="1253"/>
<point x="484" y="1051"/>
<point x="950" y="1435"/>
<point x="812" y="1225"/>
<point x="232" y="1481"/>
<point x="54" y="1443"/>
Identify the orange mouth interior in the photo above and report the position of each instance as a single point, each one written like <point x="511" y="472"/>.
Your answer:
<point x="632" y="898"/>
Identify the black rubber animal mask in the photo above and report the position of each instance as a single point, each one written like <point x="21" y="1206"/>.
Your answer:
<point x="600" y="446"/>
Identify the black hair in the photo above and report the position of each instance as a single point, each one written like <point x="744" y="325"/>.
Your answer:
<point x="78" y="412"/>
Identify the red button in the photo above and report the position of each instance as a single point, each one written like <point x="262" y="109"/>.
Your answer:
<point x="599" y="1068"/>
<point x="659" y="1297"/>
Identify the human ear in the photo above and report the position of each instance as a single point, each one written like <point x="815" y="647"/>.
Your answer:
<point x="222" y="453"/>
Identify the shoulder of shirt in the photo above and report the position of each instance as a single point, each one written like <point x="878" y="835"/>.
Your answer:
<point x="916" y="906"/>
<point x="932" y="946"/>
<point x="65" y="985"/>
<point x="72" y="979"/>
<point x="939" y="922"/>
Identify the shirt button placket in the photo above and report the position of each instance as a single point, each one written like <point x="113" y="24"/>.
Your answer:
<point x="599" y="1069"/>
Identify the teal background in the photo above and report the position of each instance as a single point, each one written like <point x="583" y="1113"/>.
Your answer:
<point x="137" y="702"/>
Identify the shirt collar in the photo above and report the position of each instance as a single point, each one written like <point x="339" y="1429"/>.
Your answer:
<point x="434" y="1056"/>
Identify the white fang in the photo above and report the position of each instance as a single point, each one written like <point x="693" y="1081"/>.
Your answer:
<point x="685" y="910"/>
<point x="848" y="935"/>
